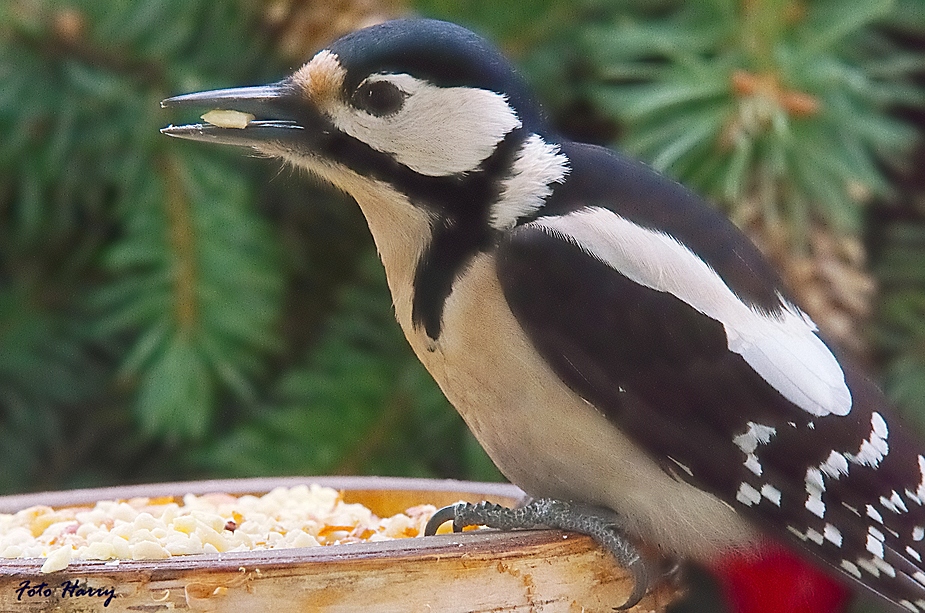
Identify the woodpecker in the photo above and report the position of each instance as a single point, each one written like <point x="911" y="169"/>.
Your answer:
<point x="609" y="338"/>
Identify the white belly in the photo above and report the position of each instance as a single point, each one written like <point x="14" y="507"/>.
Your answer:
<point x="541" y="435"/>
<point x="545" y="438"/>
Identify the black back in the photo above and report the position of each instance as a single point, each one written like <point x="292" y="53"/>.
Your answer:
<point x="663" y="373"/>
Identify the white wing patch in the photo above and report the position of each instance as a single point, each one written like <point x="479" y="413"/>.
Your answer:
<point x="782" y="347"/>
<point x="748" y="441"/>
<point x="875" y="447"/>
<point x="920" y="492"/>
<point x="438" y="131"/>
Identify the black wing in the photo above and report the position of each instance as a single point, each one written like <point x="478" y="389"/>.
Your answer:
<point x="847" y="489"/>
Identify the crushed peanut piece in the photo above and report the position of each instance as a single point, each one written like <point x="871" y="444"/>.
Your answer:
<point x="228" y="119"/>
<point x="157" y="528"/>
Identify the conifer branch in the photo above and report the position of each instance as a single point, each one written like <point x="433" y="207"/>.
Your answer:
<point x="62" y="35"/>
<point x="182" y="240"/>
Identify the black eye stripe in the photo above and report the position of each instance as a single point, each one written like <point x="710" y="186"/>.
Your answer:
<point x="379" y="98"/>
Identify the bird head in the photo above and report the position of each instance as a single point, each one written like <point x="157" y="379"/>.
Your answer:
<point x="407" y="101"/>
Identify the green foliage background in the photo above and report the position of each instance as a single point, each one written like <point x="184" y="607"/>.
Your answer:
<point x="170" y="310"/>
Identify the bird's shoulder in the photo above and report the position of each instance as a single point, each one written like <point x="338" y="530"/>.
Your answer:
<point x="624" y="266"/>
<point x="633" y="192"/>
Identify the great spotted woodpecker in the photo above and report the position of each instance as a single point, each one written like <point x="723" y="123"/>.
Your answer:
<point x="610" y="339"/>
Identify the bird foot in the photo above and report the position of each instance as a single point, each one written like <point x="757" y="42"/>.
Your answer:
<point x="601" y="524"/>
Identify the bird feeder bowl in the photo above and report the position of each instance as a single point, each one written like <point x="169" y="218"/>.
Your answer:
<point x="482" y="570"/>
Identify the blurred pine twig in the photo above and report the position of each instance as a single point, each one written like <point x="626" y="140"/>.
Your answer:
<point x="161" y="302"/>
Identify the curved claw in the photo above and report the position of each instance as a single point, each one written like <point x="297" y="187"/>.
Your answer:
<point x="640" y="584"/>
<point x="447" y="513"/>
<point x="600" y="524"/>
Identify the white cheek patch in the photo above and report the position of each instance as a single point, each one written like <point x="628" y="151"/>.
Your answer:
<point x="438" y="131"/>
<point x="781" y="347"/>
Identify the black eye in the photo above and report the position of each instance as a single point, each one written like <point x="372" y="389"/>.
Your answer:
<point x="379" y="98"/>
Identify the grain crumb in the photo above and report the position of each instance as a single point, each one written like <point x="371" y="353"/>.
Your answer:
<point x="228" y="119"/>
<point x="158" y="528"/>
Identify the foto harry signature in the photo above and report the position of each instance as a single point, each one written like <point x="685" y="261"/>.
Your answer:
<point x="66" y="589"/>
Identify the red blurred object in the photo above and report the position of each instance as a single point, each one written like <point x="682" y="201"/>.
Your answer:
<point x="777" y="581"/>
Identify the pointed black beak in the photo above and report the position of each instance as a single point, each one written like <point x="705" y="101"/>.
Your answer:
<point x="276" y="110"/>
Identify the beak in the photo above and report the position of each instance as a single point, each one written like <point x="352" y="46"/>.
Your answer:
<point x="276" y="110"/>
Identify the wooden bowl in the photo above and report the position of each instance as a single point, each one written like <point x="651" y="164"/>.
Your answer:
<point x="537" y="570"/>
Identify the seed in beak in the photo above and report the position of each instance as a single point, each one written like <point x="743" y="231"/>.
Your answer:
<point x="228" y="119"/>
